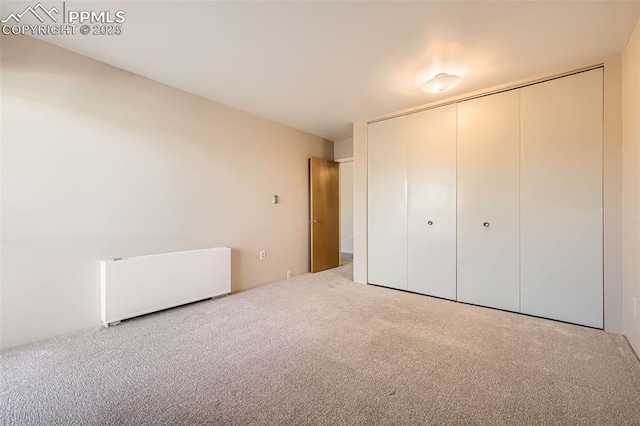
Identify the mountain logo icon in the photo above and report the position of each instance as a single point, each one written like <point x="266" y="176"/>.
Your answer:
<point x="34" y="11"/>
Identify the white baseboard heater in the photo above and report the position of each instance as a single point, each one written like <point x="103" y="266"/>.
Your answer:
<point x="139" y="285"/>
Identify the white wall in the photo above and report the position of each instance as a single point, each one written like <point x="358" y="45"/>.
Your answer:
<point x="98" y="163"/>
<point x="612" y="185"/>
<point x="360" y="185"/>
<point x="343" y="149"/>
<point x="631" y="186"/>
<point x="346" y="207"/>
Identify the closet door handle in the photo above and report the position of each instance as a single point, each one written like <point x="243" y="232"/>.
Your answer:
<point x="486" y="224"/>
<point x="430" y="223"/>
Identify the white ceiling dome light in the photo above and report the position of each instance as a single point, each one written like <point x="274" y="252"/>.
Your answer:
<point x="441" y="83"/>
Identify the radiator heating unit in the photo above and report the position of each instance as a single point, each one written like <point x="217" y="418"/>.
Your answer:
<point x="140" y="285"/>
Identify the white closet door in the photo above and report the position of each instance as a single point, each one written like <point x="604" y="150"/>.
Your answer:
<point x="387" y="225"/>
<point x="561" y="204"/>
<point x="431" y="170"/>
<point x="488" y="201"/>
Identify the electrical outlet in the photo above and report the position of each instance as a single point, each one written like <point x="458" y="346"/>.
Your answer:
<point x="263" y="255"/>
<point x="289" y="274"/>
<point x="635" y="306"/>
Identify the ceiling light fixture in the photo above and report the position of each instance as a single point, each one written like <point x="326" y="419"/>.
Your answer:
<point x="441" y="83"/>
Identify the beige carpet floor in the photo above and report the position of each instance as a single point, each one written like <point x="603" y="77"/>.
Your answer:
<point x="321" y="350"/>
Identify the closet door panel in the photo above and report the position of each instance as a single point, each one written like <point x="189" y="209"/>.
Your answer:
<point x="488" y="201"/>
<point x="561" y="204"/>
<point x="387" y="203"/>
<point x="431" y="169"/>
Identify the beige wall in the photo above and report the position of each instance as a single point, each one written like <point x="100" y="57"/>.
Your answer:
<point x="98" y="163"/>
<point x="343" y="149"/>
<point x="612" y="182"/>
<point x="631" y="186"/>
<point x="612" y="168"/>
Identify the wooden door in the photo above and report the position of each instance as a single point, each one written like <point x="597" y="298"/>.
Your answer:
<point x="488" y="201"/>
<point x="387" y="203"/>
<point x="325" y="214"/>
<point x="431" y="137"/>
<point x="561" y="220"/>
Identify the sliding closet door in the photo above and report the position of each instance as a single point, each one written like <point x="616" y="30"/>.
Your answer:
<point x="488" y="201"/>
<point x="387" y="203"/>
<point x="431" y="171"/>
<point x="562" y="266"/>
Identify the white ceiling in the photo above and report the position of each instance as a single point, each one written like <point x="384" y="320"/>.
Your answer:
<point x="318" y="66"/>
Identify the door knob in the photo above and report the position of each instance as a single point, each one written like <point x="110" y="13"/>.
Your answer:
<point x="486" y="224"/>
<point x="313" y="221"/>
<point x="430" y="223"/>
